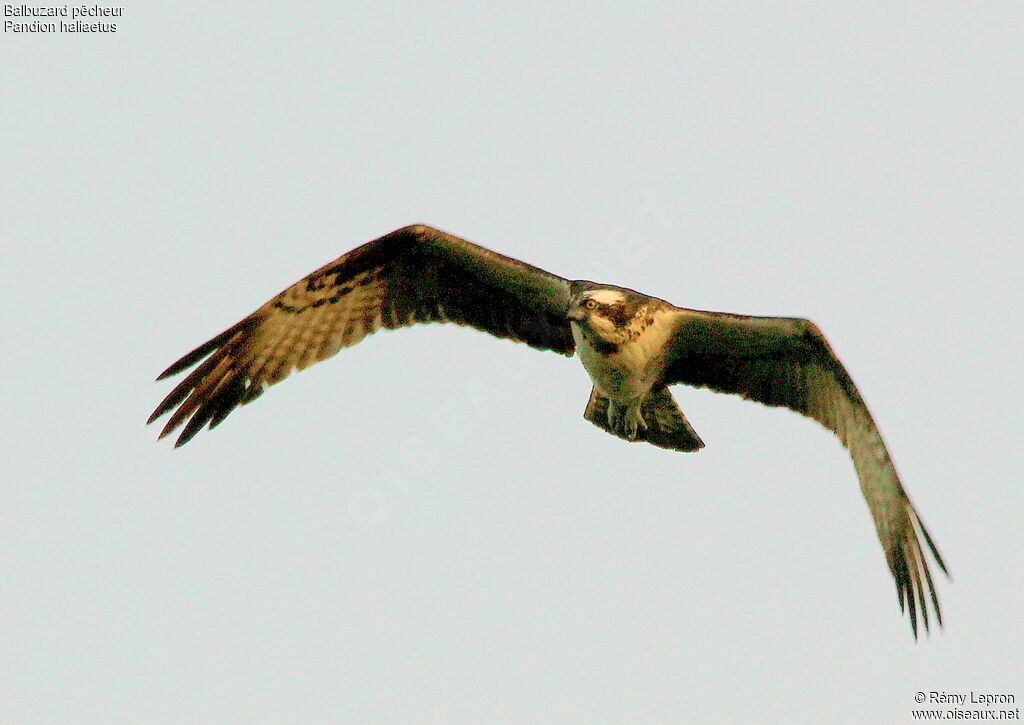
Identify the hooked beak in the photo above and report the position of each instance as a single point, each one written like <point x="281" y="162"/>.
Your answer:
<point x="576" y="314"/>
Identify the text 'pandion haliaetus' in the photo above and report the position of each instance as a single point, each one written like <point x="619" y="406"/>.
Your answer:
<point x="633" y="346"/>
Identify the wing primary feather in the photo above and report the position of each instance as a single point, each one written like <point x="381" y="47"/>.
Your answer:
<point x="208" y="409"/>
<point x="227" y="401"/>
<point x="931" y="545"/>
<point x="927" y="572"/>
<point x="911" y="601"/>
<point x="206" y="348"/>
<point x="899" y="575"/>
<point x="934" y="596"/>
<point x="914" y="554"/>
<point x="204" y="388"/>
<point x="194" y="425"/>
<point x="191" y="403"/>
<point x="182" y="389"/>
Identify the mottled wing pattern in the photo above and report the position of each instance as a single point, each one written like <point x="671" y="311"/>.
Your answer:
<point x="415" y="274"/>
<point x="788" y="362"/>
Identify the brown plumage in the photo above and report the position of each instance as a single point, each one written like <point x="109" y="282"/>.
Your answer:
<point x="632" y="345"/>
<point x="781" y="361"/>
<point x="400" y="279"/>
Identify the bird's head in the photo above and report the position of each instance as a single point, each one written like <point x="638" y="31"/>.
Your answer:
<point x="603" y="312"/>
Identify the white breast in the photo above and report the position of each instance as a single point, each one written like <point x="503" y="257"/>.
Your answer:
<point x="630" y="372"/>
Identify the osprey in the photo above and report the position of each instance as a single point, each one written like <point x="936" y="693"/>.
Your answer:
<point x="633" y="347"/>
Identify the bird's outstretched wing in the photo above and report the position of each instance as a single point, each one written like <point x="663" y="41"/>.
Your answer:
<point x="788" y="362"/>
<point x="414" y="274"/>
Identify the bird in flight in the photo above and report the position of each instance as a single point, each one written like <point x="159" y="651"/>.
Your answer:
<point x="633" y="347"/>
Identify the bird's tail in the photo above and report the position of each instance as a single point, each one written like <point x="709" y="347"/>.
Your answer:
<point x="667" y="427"/>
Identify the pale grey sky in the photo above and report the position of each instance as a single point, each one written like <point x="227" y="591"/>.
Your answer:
<point x="423" y="529"/>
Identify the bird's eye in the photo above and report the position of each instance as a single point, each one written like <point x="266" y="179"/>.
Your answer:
<point x="590" y="304"/>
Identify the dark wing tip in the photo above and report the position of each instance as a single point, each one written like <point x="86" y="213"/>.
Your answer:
<point x="191" y="358"/>
<point x="931" y="546"/>
<point x="209" y="392"/>
<point x="915" y="587"/>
